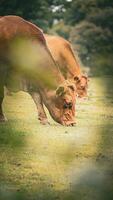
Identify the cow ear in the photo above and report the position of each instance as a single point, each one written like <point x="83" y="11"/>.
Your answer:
<point x="60" y="91"/>
<point x="85" y="78"/>
<point x="76" y="78"/>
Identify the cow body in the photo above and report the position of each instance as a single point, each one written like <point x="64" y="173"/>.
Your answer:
<point x="57" y="94"/>
<point x="68" y="63"/>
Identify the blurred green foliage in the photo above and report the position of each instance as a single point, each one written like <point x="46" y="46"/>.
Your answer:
<point x="34" y="10"/>
<point x="92" y="33"/>
<point x="87" y="24"/>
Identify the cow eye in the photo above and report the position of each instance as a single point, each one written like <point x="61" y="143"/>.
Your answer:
<point x="82" y="87"/>
<point x="71" y="87"/>
<point x="76" y="78"/>
<point x="67" y="105"/>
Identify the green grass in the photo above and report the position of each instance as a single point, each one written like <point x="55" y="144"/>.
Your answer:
<point x="54" y="162"/>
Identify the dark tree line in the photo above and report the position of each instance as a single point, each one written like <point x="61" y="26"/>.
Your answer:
<point x="92" y="32"/>
<point x="40" y="12"/>
<point x="34" y="10"/>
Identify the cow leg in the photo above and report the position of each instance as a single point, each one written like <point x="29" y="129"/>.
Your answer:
<point x="2" y="117"/>
<point x="7" y="92"/>
<point x="41" y="113"/>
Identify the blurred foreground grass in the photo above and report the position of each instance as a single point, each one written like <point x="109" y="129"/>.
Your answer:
<point x="55" y="162"/>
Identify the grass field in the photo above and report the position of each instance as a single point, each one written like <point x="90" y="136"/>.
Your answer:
<point x="53" y="162"/>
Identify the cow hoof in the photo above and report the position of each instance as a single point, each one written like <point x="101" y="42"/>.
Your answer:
<point x="2" y="119"/>
<point x="71" y="124"/>
<point x="44" y="122"/>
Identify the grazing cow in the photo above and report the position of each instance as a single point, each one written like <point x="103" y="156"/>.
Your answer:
<point x="67" y="61"/>
<point x="19" y="39"/>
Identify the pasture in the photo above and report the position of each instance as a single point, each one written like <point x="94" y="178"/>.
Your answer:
<point x="53" y="162"/>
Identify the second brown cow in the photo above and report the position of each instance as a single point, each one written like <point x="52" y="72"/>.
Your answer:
<point x="64" y="56"/>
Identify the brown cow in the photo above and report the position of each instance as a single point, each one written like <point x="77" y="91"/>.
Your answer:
<point x="67" y="61"/>
<point x="59" y="97"/>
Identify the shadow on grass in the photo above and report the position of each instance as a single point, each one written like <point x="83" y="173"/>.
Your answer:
<point x="105" y="147"/>
<point x="10" y="137"/>
<point x="9" y="192"/>
<point x="12" y="142"/>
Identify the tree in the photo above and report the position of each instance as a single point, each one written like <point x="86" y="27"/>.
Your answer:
<point x="34" y="10"/>
<point x="92" y="31"/>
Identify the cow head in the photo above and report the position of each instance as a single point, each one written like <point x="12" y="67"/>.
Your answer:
<point x="81" y="85"/>
<point x="65" y="103"/>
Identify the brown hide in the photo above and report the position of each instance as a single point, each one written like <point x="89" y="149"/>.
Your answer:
<point x="68" y="63"/>
<point x="12" y="27"/>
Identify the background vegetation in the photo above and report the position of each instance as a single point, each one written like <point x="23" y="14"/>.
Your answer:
<point x="87" y="24"/>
